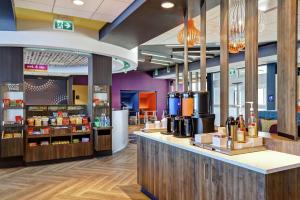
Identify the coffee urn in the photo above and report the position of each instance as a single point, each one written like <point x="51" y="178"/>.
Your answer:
<point x="185" y="121"/>
<point x="203" y="120"/>
<point x="173" y="111"/>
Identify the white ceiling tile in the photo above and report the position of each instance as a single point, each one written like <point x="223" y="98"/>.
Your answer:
<point x="127" y="1"/>
<point x="72" y="12"/>
<point x="89" y="5"/>
<point x="46" y="7"/>
<point x="103" y="17"/>
<point x="112" y="7"/>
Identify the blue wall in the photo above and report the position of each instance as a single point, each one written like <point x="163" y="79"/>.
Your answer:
<point x="271" y="86"/>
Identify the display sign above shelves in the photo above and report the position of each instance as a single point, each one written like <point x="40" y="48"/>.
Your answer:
<point x="35" y="68"/>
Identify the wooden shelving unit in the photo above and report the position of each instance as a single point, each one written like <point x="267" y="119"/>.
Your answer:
<point x="12" y="106"/>
<point x="102" y="105"/>
<point x="66" y="148"/>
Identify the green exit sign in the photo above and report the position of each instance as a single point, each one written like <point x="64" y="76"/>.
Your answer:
<point x="233" y="72"/>
<point x="64" y="25"/>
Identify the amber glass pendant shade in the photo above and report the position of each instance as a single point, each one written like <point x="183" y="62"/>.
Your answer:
<point x="193" y="35"/>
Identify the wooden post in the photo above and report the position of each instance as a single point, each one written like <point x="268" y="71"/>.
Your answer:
<point x="287" y="68"/>
<point x="224" y="61"/>
<point x="191" y="81"/>
<point x="177" y="77"/>
<point x="197" y="81"/>
<point x="186" y="63"/>
<point x="251" y="55"/>
<point x="203" y="45"/>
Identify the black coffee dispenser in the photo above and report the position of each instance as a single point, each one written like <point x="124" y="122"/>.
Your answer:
<point x="173" y="105"/>
<point x="203" y="120"/>
<point x="185" y="121"/>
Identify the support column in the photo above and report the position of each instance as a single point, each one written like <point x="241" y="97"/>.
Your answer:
<point x="197" y="81"/>
<point x="203" y="45"/>
<point x="177" y="77"/>
<point x="191" y="81"/>
<point x="210" y="89"/>
<point x="12" y="69"/>
<point x="99" y="73"/>
<point x="224" y="61"/>
<point x="287" y="68"/>
<point x="251" y="55"/>
<point x="186" y="63"/>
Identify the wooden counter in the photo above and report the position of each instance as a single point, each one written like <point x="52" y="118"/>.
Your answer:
<point x="170" y="168"/>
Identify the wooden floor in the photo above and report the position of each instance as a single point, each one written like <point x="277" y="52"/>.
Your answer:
<point x="107" y="178"/>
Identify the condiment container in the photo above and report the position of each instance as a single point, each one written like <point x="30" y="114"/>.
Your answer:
<point x="18" y="119"/>
<point x="72" y="120"/>
<point x="157" y="124"/>
<point x="240" y="136"/>
<point x="59" y="121"/>
<point x="19" y="103"/>
<point x="45" y="121"/>
<point x="84" y="139"/>
<point x="78" y="120"/>
<point x="13" y="103"/>
<point x="6" y="102"/>
<point x="85" y="120"/>
<point x="66" y="121"/>
<point x="74" y="129"/>
<point x="30" y="131"/>
<point x="38" y="121"/>
<point x="53" y="121"/>
<point x="45" y="131"/>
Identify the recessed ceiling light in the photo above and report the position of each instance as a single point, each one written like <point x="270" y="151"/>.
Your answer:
<point x="78" y="2"/>
<point x="167" y="4"/>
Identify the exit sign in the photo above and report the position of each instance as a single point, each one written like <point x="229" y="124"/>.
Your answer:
<point x="65" y="25"/>
<point x="233" y="72"/>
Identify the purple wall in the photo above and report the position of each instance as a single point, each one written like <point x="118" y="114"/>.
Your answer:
<point x="139" y="81"/>
<point x="80" y="80"/>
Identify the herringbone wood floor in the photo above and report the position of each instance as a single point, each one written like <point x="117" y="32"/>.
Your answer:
<point x="107" y="178"/>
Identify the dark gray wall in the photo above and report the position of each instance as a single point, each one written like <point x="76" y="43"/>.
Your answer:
<point x="11" y="64"/>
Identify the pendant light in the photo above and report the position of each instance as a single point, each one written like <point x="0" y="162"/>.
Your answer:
<point x="193" y="36"/>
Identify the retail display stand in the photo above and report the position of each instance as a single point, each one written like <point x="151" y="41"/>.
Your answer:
<point x="61" y="131"/>
<point x="101" y="108"/>
<point x="12" y="120"/>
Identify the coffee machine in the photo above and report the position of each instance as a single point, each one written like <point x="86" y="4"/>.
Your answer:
<point x="185" y="120"/>
<point x="173" y="112"/>
<point x="203" y="120"/>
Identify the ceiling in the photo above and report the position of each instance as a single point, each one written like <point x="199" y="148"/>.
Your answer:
<point x="28" y="14"/>
<point x="65" y="62"/>
<point x="268" y="31"/>
<point x="146" y="19"/>
<point x="165" y="41"/>
<point x="54" y="58"/>
<point x="101" y="10"/>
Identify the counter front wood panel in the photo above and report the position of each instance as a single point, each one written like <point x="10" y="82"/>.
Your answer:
<point x="168" y="172"/>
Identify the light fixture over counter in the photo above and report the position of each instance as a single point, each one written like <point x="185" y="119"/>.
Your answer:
<point x="193" y="35"/>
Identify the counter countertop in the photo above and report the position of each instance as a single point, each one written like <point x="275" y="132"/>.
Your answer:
<point x="265" y="162"/>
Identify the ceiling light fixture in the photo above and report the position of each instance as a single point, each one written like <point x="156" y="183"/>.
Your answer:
<point x="193" y="34"/>
<point x="237" y="25"/>
<point x="78" y="2"/>
<point x="153" y="54"/>
<point x="157" y="63"/>
<point x="167" y="5"/>
<point x="159" y="60"/>
<point x="180" y="59"/>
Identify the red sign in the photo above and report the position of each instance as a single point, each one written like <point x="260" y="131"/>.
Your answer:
<point x="36" y="68"/>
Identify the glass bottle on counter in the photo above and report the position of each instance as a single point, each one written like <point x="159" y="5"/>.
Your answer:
<point x="241" y="132"/>
<point x="252" y="123"/>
